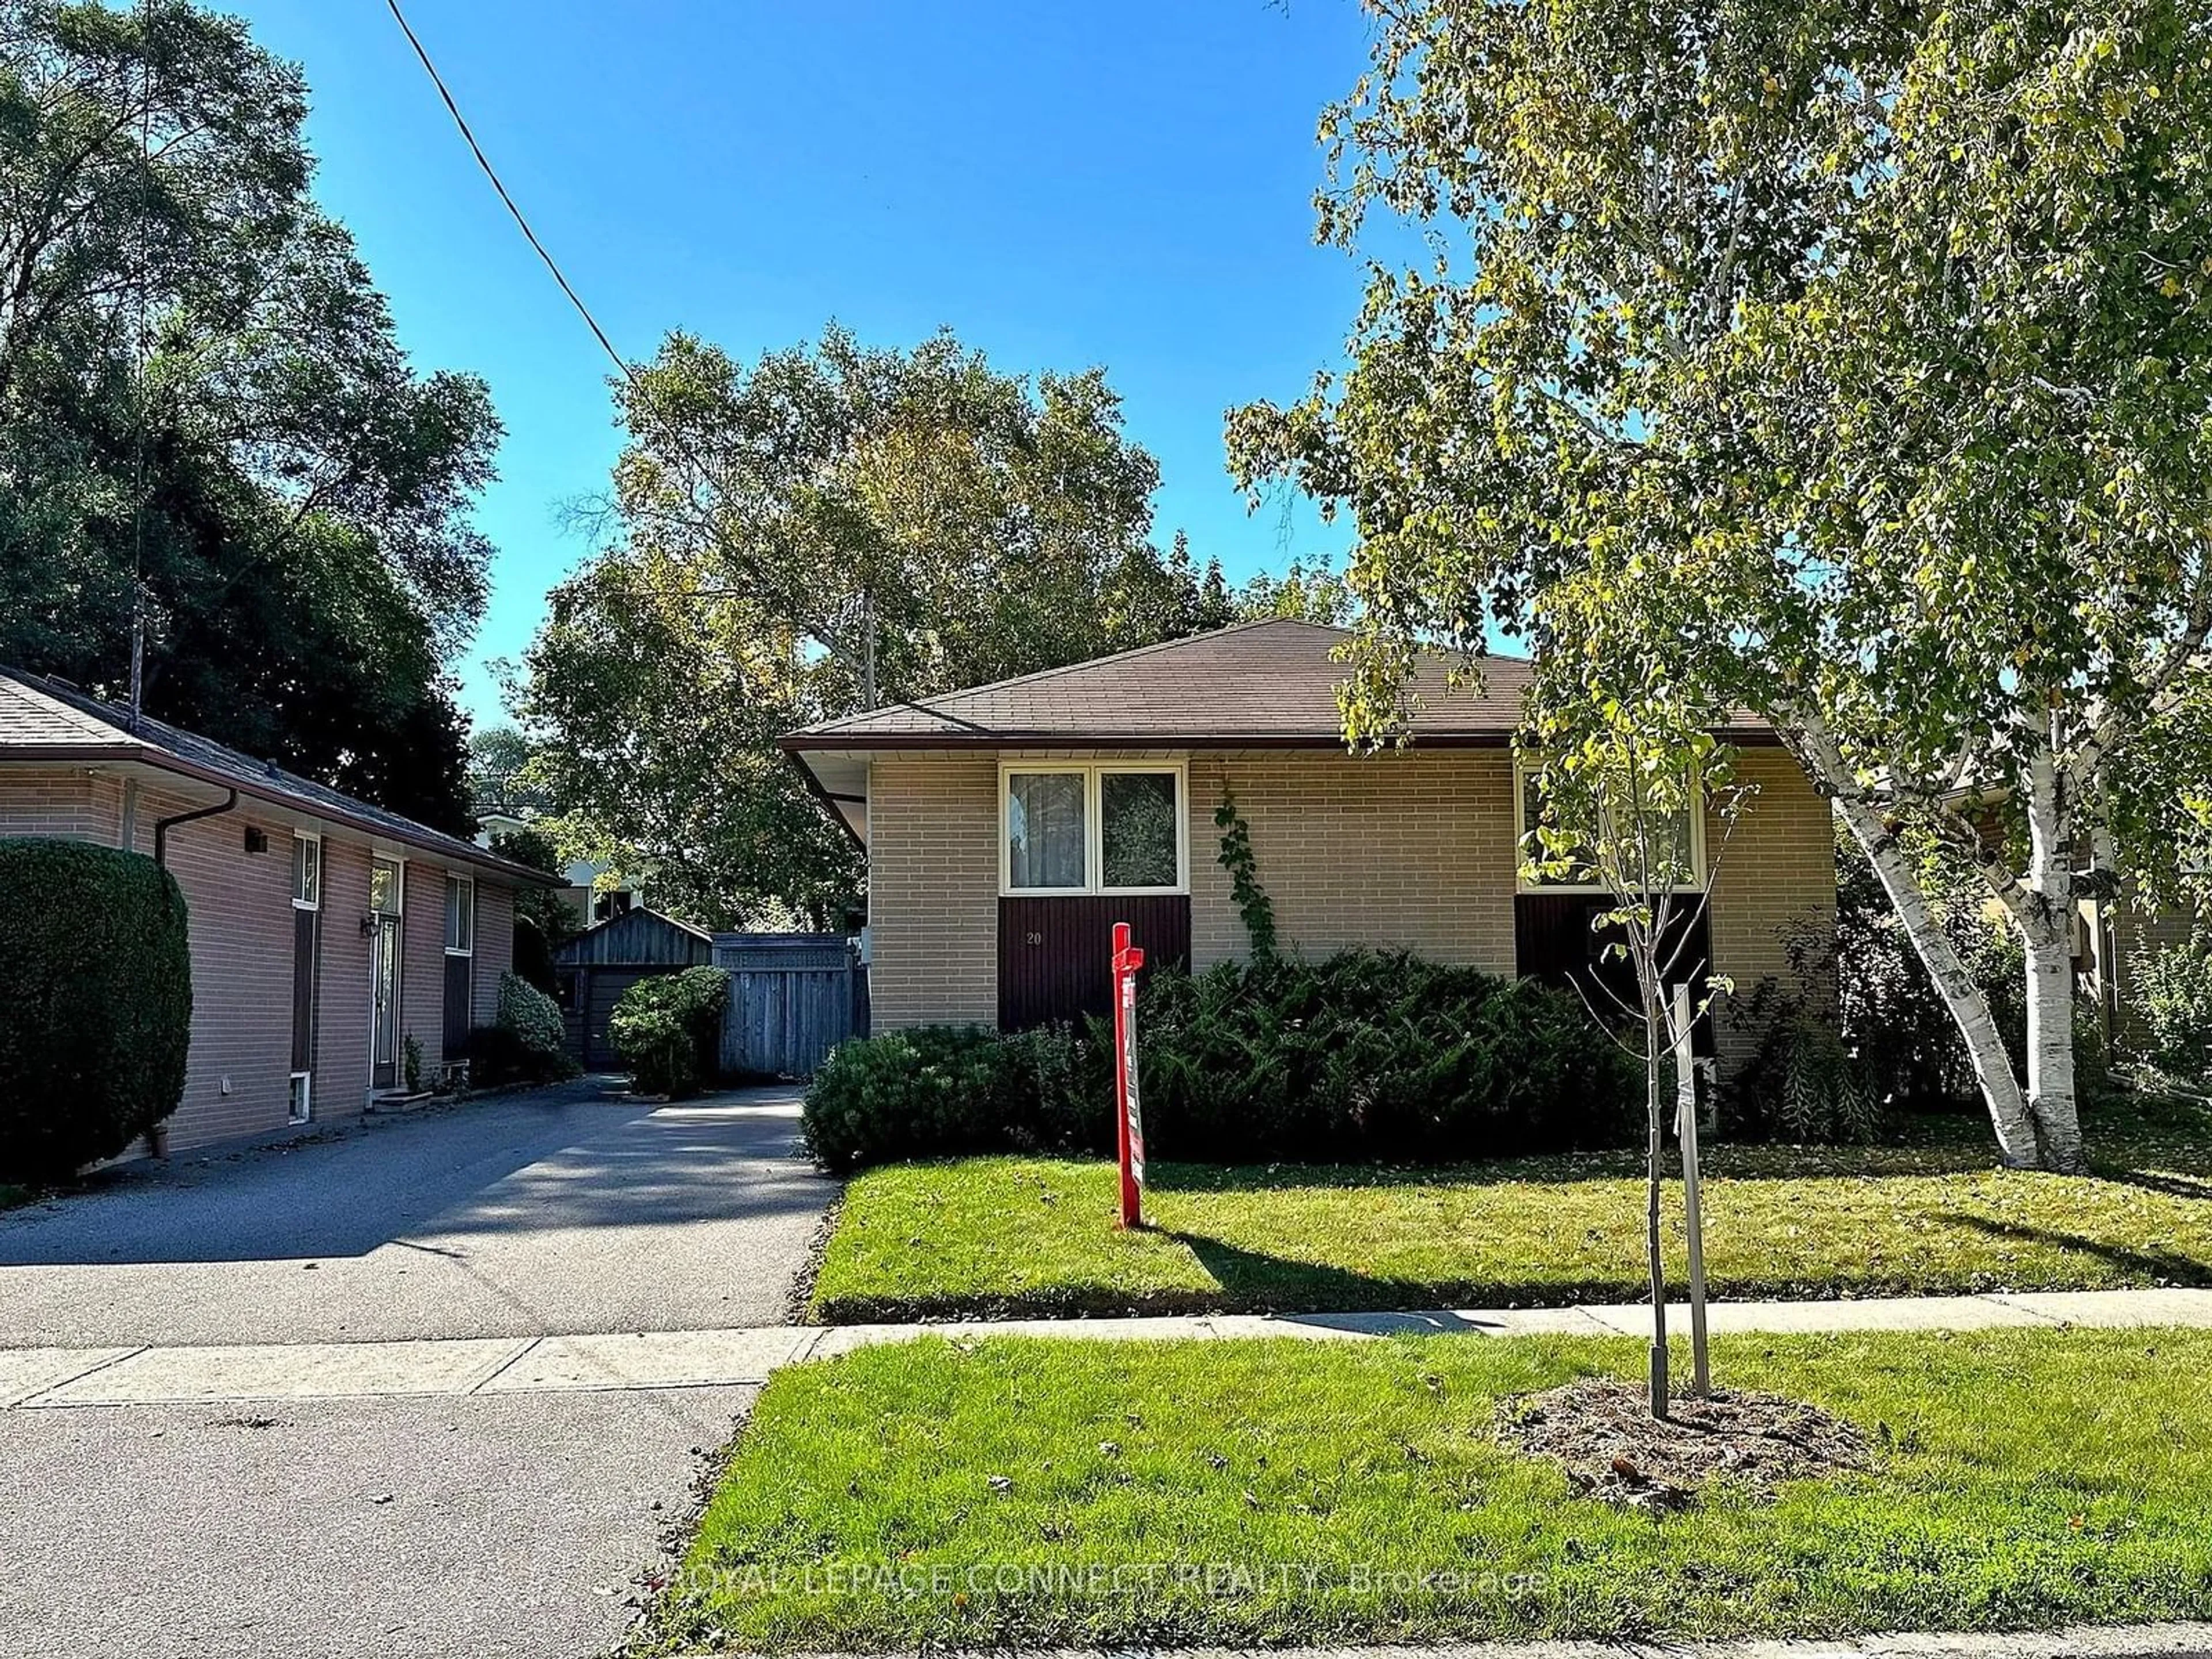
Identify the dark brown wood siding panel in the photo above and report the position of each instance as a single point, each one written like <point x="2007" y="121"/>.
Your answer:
<point x="305" y="934"/>
<point x="1554" y="941"/>
<point x="1054" y="953"/>
<point x="460" y="978"/>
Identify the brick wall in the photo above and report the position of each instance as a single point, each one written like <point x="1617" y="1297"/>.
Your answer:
<point x="423" y="993"/>
<point x="495" y="948"/>
<point x="1410" y="851"/>
<point x="237" y="1070"/>
<point x="1413" y="851"/>
<point x="241" y="946"/>
<point x="2140" y="936"/>
<point x="69" y="802"/>
<point x="242" y="949"/>
<point x="1776" y="876"/>
<point x="933" y="890"/>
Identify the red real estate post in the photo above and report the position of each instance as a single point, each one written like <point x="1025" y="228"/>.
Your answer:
<point x="1131" y="1134"/>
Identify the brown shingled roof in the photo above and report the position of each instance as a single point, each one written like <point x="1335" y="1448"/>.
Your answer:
<point x="31" y="715"/>
<point x="44" y="720"/>
<point x="1259" y="684"/>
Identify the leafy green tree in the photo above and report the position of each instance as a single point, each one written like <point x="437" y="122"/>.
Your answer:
<point x="1631" y="782"/>
<point x="554" y="917"/>
<point x="500" y="775"/>
<point x="1152" y="599"/>
<point x="1866" y="350"/>
<point x="1312" y="591"/>
<point x="205" y="417"/>
<point x="924" y="520"/>
<point x="660" y="698"/>
<point x="832" y="528"/>
<point x="1887" y="1011"/>
<point x="544" y="920"/>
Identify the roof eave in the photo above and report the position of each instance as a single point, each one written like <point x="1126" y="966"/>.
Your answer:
<point x="824" y="799"/>
<point x="160" y="760"/>
<point x="799" y="742"/>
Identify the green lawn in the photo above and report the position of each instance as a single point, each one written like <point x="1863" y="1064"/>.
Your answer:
<point x="1014" y="1236"/>
<point x="1093" y="1493"/>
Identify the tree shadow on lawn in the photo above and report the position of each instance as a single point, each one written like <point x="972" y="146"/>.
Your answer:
<point x="2149" y="1265"/>
<point x="1736" y="1162"/>
<point x="1253" y="1281"/>
<point x="2156" y="1181"/>
<point x="2160" y="1164"/>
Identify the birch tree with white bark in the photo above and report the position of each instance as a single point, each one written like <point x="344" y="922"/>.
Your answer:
<point x="1878" y="337"/>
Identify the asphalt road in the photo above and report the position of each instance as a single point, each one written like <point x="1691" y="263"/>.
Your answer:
<point x="556" y="1213"/>
<point x="484" y="1527"/>
<point x="493" y="1528"/>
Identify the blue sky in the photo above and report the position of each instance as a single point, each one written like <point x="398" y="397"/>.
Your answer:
<point x="1128" y="185"/>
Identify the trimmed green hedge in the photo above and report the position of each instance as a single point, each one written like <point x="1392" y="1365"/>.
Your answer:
<point x="525" y="1042"/>
<point x="95" y="1004"/>
<point x="668" y="1030"/>
<point x="936" y="1091"/>
<point x="1363" y="1055"/>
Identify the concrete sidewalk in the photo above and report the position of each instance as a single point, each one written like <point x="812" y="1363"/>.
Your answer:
<point x="54" y="1378"/>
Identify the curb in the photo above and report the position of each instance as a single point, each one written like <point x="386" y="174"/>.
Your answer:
<point x="2172" y="1641"/>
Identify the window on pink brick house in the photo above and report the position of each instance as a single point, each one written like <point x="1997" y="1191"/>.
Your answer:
<point x="308" y="872"/>
<point x="460" y="916"/>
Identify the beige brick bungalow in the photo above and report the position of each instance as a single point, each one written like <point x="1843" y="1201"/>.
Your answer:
<point x="1008" y="827"/>
<point x="325" y="932"/>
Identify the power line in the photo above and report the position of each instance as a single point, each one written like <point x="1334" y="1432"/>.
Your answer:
<point x="522" y="223"/>
<point x="490" y="172"/>
<point x="461" y="121"/>
<point x="821" y="636"/>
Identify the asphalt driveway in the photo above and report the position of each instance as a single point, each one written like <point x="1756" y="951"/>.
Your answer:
<point x="554" y="1213"/>
<point x="476" y="1525"/>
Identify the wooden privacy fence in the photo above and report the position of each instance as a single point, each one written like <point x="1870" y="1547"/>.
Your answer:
<point x="792" y="998"/>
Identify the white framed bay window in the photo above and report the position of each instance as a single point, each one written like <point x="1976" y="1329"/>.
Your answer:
<point x="1068" y="828"/>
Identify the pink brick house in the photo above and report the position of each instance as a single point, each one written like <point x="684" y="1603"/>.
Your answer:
<point x="325" y="932"/>
<point x="1008" y="827"/>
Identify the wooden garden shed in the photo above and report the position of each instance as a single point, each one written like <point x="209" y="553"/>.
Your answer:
<point x="593" y="970"/>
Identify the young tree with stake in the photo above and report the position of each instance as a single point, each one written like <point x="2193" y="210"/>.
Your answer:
<point x="1628" y="778"/>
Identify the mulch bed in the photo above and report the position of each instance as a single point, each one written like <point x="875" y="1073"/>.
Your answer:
<point x="1601" y="1431"/>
